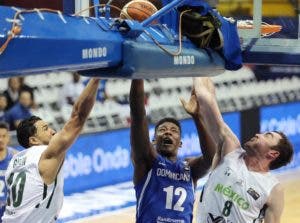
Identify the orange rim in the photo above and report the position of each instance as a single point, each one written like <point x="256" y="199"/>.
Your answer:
<point x="265" y="28"/>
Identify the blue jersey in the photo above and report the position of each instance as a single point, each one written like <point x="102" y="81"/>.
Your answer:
<point x="3" y="189"/>
<point x="166" y="194"/>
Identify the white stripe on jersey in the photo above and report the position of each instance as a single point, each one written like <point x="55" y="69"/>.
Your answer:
<point x="143" y="191"/>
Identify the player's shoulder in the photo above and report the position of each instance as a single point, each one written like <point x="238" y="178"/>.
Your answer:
<point x="276" y="194"/>
<point x="20" y="153"/>
<point x="31" y="153"/>
<point x="37" y="148"/>
<point x="12" y="151"/>
<point x="278" y="188"/>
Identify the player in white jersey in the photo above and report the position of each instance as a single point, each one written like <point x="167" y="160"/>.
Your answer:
<point x="34" y="176"/>
<point x="240" y="188"/>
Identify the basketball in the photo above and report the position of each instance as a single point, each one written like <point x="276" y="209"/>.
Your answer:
<point x="138" y="10"/>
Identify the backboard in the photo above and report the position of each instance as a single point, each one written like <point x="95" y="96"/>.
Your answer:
<point x="281" y="47"/>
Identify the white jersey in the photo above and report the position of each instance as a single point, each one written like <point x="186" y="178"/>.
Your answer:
<point x="30" y="200"/>
<point x="233" y="194"/>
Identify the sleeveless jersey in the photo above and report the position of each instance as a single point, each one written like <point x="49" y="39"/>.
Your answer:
<point x="3" y="189"/>
<point x="233" y="194"/>
<point x="166" y="194"/>
<point x="30" y="200"/>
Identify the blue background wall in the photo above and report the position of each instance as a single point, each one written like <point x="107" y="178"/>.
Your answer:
<point x="285" y="118"/>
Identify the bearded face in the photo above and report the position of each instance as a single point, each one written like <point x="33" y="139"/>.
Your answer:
<point x="261" y="144"/>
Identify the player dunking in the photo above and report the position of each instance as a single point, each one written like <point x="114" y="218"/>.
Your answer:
<point x="164" y="183"/>
<point x="34" y="176"/>
<point x="240" y="188"/>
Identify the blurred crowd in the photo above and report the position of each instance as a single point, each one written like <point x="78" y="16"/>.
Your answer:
<point x="16" y="102"/>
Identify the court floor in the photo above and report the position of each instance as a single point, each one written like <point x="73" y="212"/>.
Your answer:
<point x="291" y="214"/>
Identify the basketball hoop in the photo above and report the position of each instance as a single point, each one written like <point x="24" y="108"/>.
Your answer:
<point x="266" y="29"/>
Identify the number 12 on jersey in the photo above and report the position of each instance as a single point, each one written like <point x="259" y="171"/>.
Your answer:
<point x="172" y="193"/>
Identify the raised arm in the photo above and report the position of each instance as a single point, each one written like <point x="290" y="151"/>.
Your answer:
<point x="142" y="152"/>
<point x="225" y="140"/>
<point x="275" y="205"/>
<point x="52" y="158"/>
<point x="200" y="165"/>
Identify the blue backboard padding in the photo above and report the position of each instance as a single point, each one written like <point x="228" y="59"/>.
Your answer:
<point x="50" y="41"/>
<point x="53" y="42"/>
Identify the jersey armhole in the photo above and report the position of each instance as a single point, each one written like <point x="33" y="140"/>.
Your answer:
<point x="140" y="184"/>
<point x="143" y="180"/>
<point x="234" y="154"/>
<point x="37" y="162"/>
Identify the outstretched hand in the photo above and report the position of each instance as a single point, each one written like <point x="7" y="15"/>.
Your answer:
<point x="191" y="106"/>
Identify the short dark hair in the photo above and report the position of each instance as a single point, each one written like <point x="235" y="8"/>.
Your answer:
<point x="4" y="125"/>
<point x="168" y="119"/>
<point x="26" y="129"/>
<point x="24" y="90"/>
<point x="285" y="148"/>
